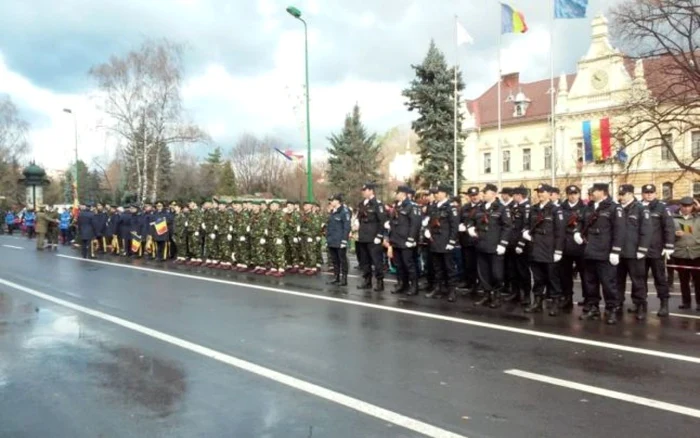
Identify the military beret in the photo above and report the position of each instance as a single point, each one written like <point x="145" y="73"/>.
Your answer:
<point x="600" y="186"/>
<point x="649" y="188"/>
<point x="274" y="201"/>
<point x="626" y="188"/>
<point x="490" y="188"/>
<point x="572" y="189"/>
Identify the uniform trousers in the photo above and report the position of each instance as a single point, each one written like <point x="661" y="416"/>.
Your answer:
<point x="87" y="248"/>
<point x="600" y="273"/>
<point x="370" y="254"/>
<point x="404" y="259"/>
<point x="339" y="258"/>
<point x="545" y="275"/>
<point x="429" y="266"/>
<point x="636" y="270"/>
<point x="566" y="273"/>
<point x="160" y="250"/>
<point x="490" y="270"/>
<point x="469" y="263"/>
<point x="517" y="266"/>
<point x="445" y="271"/>
<point x="658" y="271"/>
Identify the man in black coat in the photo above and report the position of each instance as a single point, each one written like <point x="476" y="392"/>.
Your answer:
<point x="160" y="232"/>
<point x="404" y="226"/>
<point x="521" y="281"/>
<point x="124" y="231"/>
<point x="661" y="245"/>
<point x="573" y="210"/>
<point x="441" y="233"/>
<point x="99" y="225"/>
<point x="337" y="234"/>
<point x="86" y="232"/>
<point x="468" y="243"/>
<point x="372" y="215"/>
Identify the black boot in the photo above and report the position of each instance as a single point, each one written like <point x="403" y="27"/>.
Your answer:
<point x="641" y="312"/>
<point x="512" y="296"/>
<point x="366" y="284"/>
<point x="413" y="290"/>
<point x="380" y="285"/>
<point x="567" y="304"/>
<point x="343" y="280"/>
<point x="485" y="300"/>
<point x="335" y="281"/>
<point x="633" y="309"/>
<point x="663" y="309"/>
<point x="591" y="313"/>
<point x="536" y="306"/>
<point x="452" y="296"/>
<point x="525" y="299"/>
<point x="495" y="300"/>
<point x="556" y="306"/>
<point x="436" y="294"/>
<point x="400" y="287"/>
<point x="611" y="315"/>
<point x="428" y="288"/>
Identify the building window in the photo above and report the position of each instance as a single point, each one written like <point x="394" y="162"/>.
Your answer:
<point x="487" y="162"/>
<point x="696" y="188"/>
<point x="506" y="161"/>
<point x="667" y="191"/>
<point x="695" y="144"/>
<point x="666" y="146"/>
<point x="527" y="158"/>
<point x="548" y="157"/>
<point x="579" y="156"/>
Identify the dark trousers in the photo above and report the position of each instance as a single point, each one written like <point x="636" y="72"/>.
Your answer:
<point x="160" y="250"/>
<point x="490" y="270"/>
<point x="429" y="266"/>
<point x="545" y="275"/>
<point x="417" y="262"/>
<point x="518" y="267"/>
<point x="30" y="232"/>
<point x="658" y="270"/>
<point x="405" y="265"/>
<point x="635" y="269"/>
<point x="339" y="258"/>
<point x="567" y="265"/>
<point x="469" y="263"/>
<point x="64" y="237"/>
<point x="684" y="275"/>
<point x="370" y="254"/>
<point x="445" y="271"/>
<point x="600" y="273"/>
<point x="86" y="248"/>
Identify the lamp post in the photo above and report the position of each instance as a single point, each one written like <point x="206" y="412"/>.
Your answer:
<point x="296" y="13"/>
<point x="75" y="176"/>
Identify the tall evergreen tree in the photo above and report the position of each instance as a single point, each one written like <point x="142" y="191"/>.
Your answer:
<point x="354" y="157"/>
<point x="431" y="94"/>
<point x="227" y="180"/>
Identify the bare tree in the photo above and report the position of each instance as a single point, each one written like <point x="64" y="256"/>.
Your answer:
<point x="257" y="165"/>
<point x="141" y="96"/>
<point x="664" y="102"/>
<point x="13" y="146"/>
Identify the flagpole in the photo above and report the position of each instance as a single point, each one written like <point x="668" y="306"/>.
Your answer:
<point x="498" y="143"/>
<point x="455" y="184"/>
<point x="552" y="101"/>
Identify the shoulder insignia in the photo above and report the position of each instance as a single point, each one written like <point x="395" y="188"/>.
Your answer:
<point x="646" y="214"/>
<point x="454" y="212"/>
<point x="507" y="213"/>
<point x="619" y="212"/>
<point x="381" y="208"/>
<point x="561" y="216"/>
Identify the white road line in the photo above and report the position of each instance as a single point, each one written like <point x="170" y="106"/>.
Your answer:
<point x="310" y="388"/>
<point x="681" y="315"/>
<point x="676" y="409"/>
<point x="505" y="328"/>
<point x="13" y="247"/>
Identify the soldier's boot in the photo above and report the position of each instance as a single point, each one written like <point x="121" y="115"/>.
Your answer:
<point x="428" y="288"/>
<point x="343" y="280"/>
<point x="633" y="309"/>
<point x="335" y="281"/>
<point x="537" y="305"/>
<point x="611" y="315"/>
<point x="663" y="310"/>
<point x="452" y="295"/>
<point x="495" y="300"/>
<point x="567" y="304"/>
<point x="484" y="300"/>
<point x="525" y="299"/>
<point x="366" y="284"/>
<point x="581" y="303"/>
<point x="435" y="293"/>
<point x="590" y="313"/>
<point x="620" y="310"/>
<point x="641" y="312"/>
<point x="513" y="295"/>
<point x="399" y="288"/>
<point x="414" y="289"/>
<point x="379" y="287"/>
<point x="557" y="303"/>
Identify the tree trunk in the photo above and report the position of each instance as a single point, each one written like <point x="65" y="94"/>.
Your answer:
<point x="143" y="190"/>
<point x="156" y="171"/>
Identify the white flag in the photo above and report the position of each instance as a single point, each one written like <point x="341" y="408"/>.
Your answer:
<point x="462" y="35"/>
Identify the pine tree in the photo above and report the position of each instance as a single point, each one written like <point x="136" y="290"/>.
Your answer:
<point x="354" y="157"/>
<point x="431" y="94"/>
<point x="227" y="180"/>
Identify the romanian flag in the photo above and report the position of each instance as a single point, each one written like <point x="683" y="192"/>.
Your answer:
<point x="135" y="242"/>
<point x="512" y="21"/>
<point x="596" y="140"/>
<point x="161" y="226"/>
<point x="687" y="229"/>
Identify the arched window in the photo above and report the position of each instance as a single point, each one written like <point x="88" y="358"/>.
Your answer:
<point x="667" y="191"/>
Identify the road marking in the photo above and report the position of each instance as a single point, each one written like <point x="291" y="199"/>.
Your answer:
<point x="505" y="328"/>
<point x="677" y="409"/>
<point x="293" y="382"/>
<point x="681" y="315"/>
<point x="13" y="247"/>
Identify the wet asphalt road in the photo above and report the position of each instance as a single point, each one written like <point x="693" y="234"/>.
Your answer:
<point x="65" y="373"/>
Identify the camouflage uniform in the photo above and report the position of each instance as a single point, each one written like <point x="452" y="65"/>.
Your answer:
<point x="291" y="233"/>
<point x="321" y="221"/>
<point x="225" y="238"/>
<point x="308" y="235"/>
<point x="194" y="234"/>
<point x="241" y="242"/>
<point x="180" y="234"/>
<point x="275" y="240"/>
<point x="210" y="226"/>
<point x="257" y="226"/>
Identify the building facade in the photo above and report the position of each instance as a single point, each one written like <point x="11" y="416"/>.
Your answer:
<point x="601" y="88"/>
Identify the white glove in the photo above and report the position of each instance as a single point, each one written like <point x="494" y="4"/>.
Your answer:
<point x="640" y="255"/>
<point x="449" y="247"/>
<point x="247" y="229"/>
<point x="614" y="259"/>
<point x="298" y="228"/>
<point x="187" y="223"/>
<point x="667" y="253"/>
<point x="295" y="239"/>
<point x="229" y="237"/>
<point x="233" y="256"/>
<point x="318" y="239"/>
<point x="278" y="241"/>
<point x="204" y="226"/>
<point x="230" y="228"/>
<point x="241" y="239"/>
<point x="577" y="238"/>
<point x="425" y="221"/>
<point x="262" y="241"/>
<point x="462" y="228"/>
<point x="212" y="236"/>
<point x="266" y="231"/>
<point x="518" y="250"/>
<point x="557" y="257"/>
<point x="377" y="240"/>
<point x="387" y="225"/>
<point x="427" y="234"/>
<point x="216" y="227"/>
<point x="343" y="244"/>
<point x="196" y="234"/>
<point x="500" y="250"/>
<point x="527" y="236"/>
<point x="472" y="232"/>
<point x="410" y="244"/>
<point x="309" y="240"/>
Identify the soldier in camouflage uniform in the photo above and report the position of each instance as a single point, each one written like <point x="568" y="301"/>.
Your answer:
<point x="209" y="226"/>
<point x="221" y="232"/>
<point x="309" y="230"/>
<point x="320" y="220"/>
<point x="276" y="226"/>
<point x="241" y="253"/>
<point x="225" y="237"/>
<point x="291" y="237"/>
<point x="179" y="233"/>
<point x="194" y="234"/>
<point x="257" y="239"/>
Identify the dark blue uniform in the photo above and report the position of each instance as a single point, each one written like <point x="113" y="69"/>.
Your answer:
<point x="634" y="248"/>
<point x="573" y="252"/>
<point x="442" y="229"/>
<point x="86" y="232"/>
<point x="468" y="246"/>
<point x="371" y="216"/>
<point x="124" y="231"/>
<point x="159" y="239"/>
<point x="662" y="238"/>
<point x="337" y="234"/>
<point x="517" y="266"/>
<point x="403" y="236"/>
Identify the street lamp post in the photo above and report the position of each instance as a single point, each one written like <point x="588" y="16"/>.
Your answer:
<point x="296" y="13"/>
<point x="75" y="176"/>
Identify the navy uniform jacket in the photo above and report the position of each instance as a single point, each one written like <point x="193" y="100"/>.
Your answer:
<point x="136" y="224"/>
<point x="603" y="230"/>
<point x="443" y="225"/>
<point x="338" y="228"/>
<point x="372" y="217"/>
<point x="145" y="226"/>
<point x="99" y="223"/>
<point x="112" y="223"/>
<point x="493" y="226"/>
<point x="85" y="222"/>
<point x="662" y="229"/>
<point x="466" y="216"/>
<point x="637" y="230"/>
<point x="546" y="228"/>
<point x="405" y="224"/>
<point x="124" y="225"/>
<point x="153" y="218"/>
<point x="573" y="223"/>
<point x="520" y="213"/>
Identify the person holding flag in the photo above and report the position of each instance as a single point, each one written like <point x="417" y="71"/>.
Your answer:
<point x="159" y="231"/>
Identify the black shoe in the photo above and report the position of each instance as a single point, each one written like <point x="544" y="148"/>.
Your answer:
<point x="495" y="300"/>
<point x="343" y="280"/>
<point x="428" y="288"/>
<point x="555" y="308"/>
<point x="663" y="309"/>
<point x="452" y="296"/>
<point x="634" y="309"/>
<point x="592" y="313"/>
<point x="484" y="301"/>
<point x="581" y="303"/>
<point x="567" y="305"/>
<point x="641" y="313"/>
<point x="400" y="288"/>
<point x="536" y="306"/>
<point x="620" y="311"/>
<point x="335" y="281"/>
<point x="366" y="284"/>
<point x="611" y="315"/>
<point x="435" y="294"/>
<point x="380" y="285"/>
<point x="513" y="296"/>
<point x="413" y="290"/>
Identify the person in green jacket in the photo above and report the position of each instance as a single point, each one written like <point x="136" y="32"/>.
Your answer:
<point x="687" y="250"/>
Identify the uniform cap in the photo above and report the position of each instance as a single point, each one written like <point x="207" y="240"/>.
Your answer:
<point x="626" y="188"/>
<point x="600" y="186"/>
<point x="432" y="190"/>
<point x="403" y="189"/>
<point x="572" y="189"/>
<point x="337" y="196"/>
<point x="522" y="191"/>
<point x="369" y="186"/>
<point x="472" y="191"/>
<point x="544" y="188"/>
<point x="649" y="188"/>
<point x="555" y="190"/>
<point x="490" y="188"/>
<point x="507" y="191"/>
<point x="687" y="200"/>
<point x="444" y="188"/>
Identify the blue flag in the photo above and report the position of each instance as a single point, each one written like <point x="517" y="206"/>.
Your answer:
<point x="570" y="8"/>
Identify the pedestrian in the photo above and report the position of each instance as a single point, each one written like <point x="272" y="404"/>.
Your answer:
<point x="372" y="216"/>
<point x="86" y="232"/>
<point x="30" y="222"/>
<point x="572" y="260"/>
<point x="686" y="252"/>
<point x="41" y="227"/>
<point x="404" y="225"/>
<point x="10" y="221"/>
<point x="158" y="228"/>
<point x="337" y="236"/>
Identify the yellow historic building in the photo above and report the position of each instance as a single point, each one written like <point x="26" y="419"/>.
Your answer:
<point x="602" y="85"/>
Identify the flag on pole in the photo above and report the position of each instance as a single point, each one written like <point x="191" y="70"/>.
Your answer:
<point x="596" y="140"/>
<point x="290" y="155"/>
<point x="570" y="8"/>
<point x="463" y="36"/>
<point x="512" y="21"/>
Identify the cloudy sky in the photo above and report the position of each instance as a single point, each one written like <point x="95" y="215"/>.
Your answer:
<point x="244" y="64"/>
